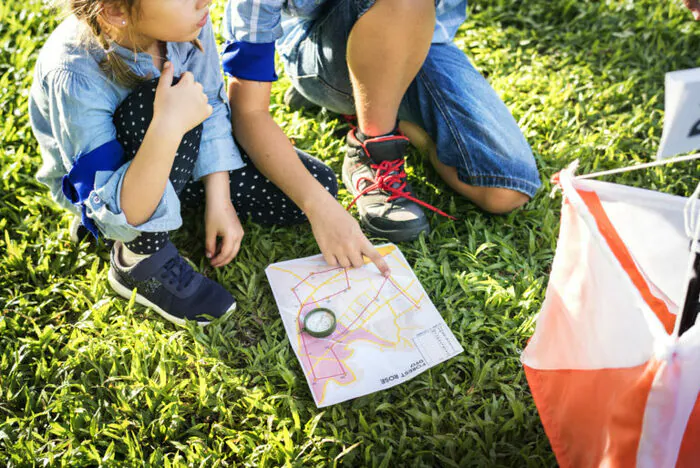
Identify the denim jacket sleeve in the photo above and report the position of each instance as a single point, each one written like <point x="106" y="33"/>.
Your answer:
<point x="80" y="119"/>
<point x="217" y="152"/>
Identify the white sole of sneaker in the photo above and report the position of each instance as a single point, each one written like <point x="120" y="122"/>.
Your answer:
<point x="126" y="294"/>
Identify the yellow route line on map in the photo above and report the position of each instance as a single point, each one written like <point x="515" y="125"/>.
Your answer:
<point x="379" y="306"/>
<point x="311" y="296"/>
<point x="359" y="304"/>
<point x="399" y="328"/>
<point x="384" y="251"/>
<point x="342" y="384"/>
<point x="319" y="359"/>
<point x="363" y="321"/>
<point x="287" y="271"/>
<point x="405" y="291"/>
<point x="371" y="314"/>
<point x="395" y="256"/>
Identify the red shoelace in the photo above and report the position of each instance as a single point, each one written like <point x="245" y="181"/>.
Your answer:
<point x="391" y="178"/>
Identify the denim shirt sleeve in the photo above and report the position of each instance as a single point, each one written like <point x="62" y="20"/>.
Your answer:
<point x="251" y="28"/>
<point x="80" y="118"/>
<point x="217" y="151"/>
<point x="255" y="21"/>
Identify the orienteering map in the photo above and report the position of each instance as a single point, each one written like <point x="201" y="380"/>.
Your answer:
<point x="387" y="331"/>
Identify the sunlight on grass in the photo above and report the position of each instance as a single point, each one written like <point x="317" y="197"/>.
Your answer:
<point x="89" y="379"/>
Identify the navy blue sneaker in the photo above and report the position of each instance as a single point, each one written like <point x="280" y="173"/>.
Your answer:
<point x="166" y="283"/>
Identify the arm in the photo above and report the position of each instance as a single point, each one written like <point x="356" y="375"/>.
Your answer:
<point x="251" y="27"/>
<point x="73" y="117"/>
<point x="268" y="146"/>
<point x="147" y="176"/>
<point x="338" y="234"/>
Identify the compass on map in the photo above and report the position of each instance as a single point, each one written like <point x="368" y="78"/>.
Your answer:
<point x="319" y="322"/>
<point x="355" y="331"/>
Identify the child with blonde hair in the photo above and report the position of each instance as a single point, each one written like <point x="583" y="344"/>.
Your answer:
<point x="129" y="108"/>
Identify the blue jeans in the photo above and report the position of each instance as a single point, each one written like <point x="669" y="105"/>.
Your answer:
<point x="472" y="128"/>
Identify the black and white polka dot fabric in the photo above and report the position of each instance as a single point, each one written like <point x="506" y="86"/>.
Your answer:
<point x="131" y="119"/>
<point x="258" y="199"/>
<point x="253" y="196"/>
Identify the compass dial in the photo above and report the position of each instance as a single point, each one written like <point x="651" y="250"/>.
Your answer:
<point x="319" y="322"/>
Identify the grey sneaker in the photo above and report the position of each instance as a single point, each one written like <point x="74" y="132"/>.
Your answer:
<point x="167" y="283"/>
<point x="373" y="172"/>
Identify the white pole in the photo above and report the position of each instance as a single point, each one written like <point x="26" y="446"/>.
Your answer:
<point x="640" y="166"/>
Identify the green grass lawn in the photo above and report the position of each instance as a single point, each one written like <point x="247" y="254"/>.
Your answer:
<point x="88" y="379"/>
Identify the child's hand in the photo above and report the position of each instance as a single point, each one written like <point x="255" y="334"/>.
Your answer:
<point x="341" y="240"/>
<point x="221" y="220"/>
<point x="183" y="106"/>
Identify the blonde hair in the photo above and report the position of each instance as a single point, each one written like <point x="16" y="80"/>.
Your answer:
<point x="114" y="66"/>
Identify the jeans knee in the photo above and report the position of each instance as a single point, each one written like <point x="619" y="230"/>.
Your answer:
<point x="498" y="200"/>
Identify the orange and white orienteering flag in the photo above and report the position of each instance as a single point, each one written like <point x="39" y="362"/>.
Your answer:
<point x="613" y="384"/>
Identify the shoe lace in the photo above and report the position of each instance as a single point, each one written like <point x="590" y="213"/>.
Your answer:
<point x="178" y="272"/>
<point x="390" y="177"/>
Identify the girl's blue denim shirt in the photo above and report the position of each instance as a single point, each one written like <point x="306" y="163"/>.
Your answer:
<point x="71" y="106"/>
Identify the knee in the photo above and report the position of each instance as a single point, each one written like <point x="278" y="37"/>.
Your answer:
<point x="500" y="200"/>
<point x="141" y="97"/>
<point x="133" y="115"/>
<point x="411" y="11"/>
<point x="321" y="172"/>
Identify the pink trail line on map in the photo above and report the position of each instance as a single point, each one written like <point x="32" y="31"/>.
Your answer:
<point x="347" y="329"/>
<point x="347" y="282"/>
<point x="340" y="372"/>
<point x="403" y="293"/>
<point x="308" y="356"/>
<point x="338" y="359"/>
<point x="343" y="334"/>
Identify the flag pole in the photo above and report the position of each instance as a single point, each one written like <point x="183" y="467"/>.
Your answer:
<point x="691" y="306"/>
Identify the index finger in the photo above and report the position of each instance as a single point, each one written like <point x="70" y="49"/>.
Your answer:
<point x="166" y="76"/>
<point x="375" y="257"/>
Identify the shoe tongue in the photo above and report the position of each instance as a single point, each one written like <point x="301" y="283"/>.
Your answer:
<point x="386" y="148"/>
<point x="149" y="266"/>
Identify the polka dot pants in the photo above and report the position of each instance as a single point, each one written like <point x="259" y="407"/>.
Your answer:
<point x="253" y="196"/>
<point x="258" y="199"/>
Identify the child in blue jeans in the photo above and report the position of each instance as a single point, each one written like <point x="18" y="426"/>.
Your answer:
<point x="382" y="60"/>
<point x="132" y="119"/>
